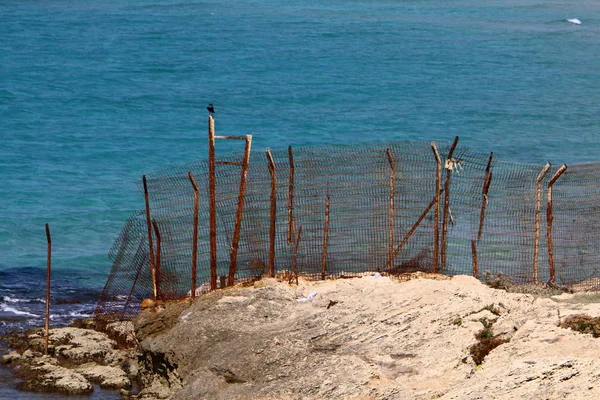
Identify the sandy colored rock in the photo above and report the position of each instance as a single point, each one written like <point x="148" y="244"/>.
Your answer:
<point x="11" y="357"/>
<point x="54" y="378"/>
<point x="81" y="344"/>
<point x="108" y="377"/>
<point x="369" y="338"/>
<point x="76" y="357"/>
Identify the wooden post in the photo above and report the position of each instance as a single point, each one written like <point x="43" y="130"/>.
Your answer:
<point x="447" y="203"/>
<point x="325" y="238"/>
<point x="536" y="238"/>
<point x="273" y="226"/>
<point x="48" y="267"/>
<point x="158" y="251"/>
<point x="391" y="208"/>
<point x="212" y="203"/>
<point x="474" y="255"/>
<point x="291" y="196"/>
<point x="436" y="221"/>
<point x="150" y="244"/>
<point x="238" y="214"/>
<point x="487" y="181"/>
<point x="550" y="218"/>
<point x="195" y="233"/>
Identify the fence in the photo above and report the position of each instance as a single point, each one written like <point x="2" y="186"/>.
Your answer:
<point x="345" y="210"/>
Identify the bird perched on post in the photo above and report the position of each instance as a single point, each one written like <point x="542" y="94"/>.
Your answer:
<point x="211" y="109"/>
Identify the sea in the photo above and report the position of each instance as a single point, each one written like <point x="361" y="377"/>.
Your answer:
<point x="95" y="93"/>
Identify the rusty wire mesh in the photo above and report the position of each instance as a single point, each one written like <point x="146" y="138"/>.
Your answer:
<point x="357" y="181"/>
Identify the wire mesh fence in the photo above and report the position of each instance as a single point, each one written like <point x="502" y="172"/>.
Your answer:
<point x="349" y="209"/>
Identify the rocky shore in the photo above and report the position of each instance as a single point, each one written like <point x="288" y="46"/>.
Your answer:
<point x="362" y="338"/>
<point x="76" y="359"/>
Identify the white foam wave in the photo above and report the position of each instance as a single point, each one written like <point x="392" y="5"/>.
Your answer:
<point x="4" y="307"/>
<point x="19" y="300"/>
<point x="11" y="300"/>
<point x="79" y="314"/>
<point x="575" y="21"/>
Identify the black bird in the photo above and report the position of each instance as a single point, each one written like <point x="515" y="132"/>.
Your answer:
<point x="211" y="109"/>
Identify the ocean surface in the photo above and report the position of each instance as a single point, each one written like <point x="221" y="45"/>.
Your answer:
<point x="95" y="93"/>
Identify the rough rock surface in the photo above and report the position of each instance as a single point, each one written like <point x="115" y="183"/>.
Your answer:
<point x="54" y="378"/>
<point x="368" y="338"/>
<point x="108" y="377"/>
<point x="76" y="358"/>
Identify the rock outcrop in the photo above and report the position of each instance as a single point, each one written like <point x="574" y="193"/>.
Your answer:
<point x="368" y="338"/>
<point x="76" y="358"/>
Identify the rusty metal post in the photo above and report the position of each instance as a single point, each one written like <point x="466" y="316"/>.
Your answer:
<point x="150" y="244"/>
<point x="212" y="203"/>
<point x="195" y="233"/>
<point x="474" y="255"/>
<point x="436" y="221"/>
<point x="550" y="218"/>
<point x="538" y="201"/>
<point x="487" y="181"/>
<point x="412" y="230"/>
<point x="238" y="214"/>
<point x="391" y="209"/>
<point x="447" y="203"/>
<point x="48" y="267"/>
<point x="325" y="238"/>
<point x="291" y="196"/>
<point x="157" y="261"/>
<point x="273" y="217"/>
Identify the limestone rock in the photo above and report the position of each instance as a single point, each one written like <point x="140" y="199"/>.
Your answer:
<point x="11" y="358"/>
<point x="108" y="377"/>
<point x="380" y="339"/>
<point x="54" y="378"/>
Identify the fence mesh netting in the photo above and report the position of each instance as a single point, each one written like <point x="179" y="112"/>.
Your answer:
<point x="361" y="181"/>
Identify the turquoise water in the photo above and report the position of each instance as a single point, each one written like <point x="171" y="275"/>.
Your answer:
<point x="95" y="93"/>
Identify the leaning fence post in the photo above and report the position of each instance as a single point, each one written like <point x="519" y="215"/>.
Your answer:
<point x="150" y="244"/>
<point x="391" y="210"/>
<point x="487" y="181"/>
<point x="238" y="214"/>
<point x="410" y="232"/>
<point x="290" y="196"/>
<point x="158" y="251"/>
<point x="273" y="226"/>
<point x="550" y="218"/>
<point x="195" y="233"/>
<point x="536" y="239"/>
<point x="474" y="255"/>
<point x="48" y="266"/>
<point x="447" y="200"/>
<point x="212" y="203"/>
<point x="325" y="238"/>
<point x="436" y="222"/>
<point x="295" y="251"/>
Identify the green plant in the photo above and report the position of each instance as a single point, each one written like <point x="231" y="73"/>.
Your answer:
<point x="490" y="307"/>
<point x="498" y="280"/>
<point x="583" y="323"/>
<point x="486" y="342"/>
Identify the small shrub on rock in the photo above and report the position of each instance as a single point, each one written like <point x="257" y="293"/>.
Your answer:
<point x="583" y="323"/>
